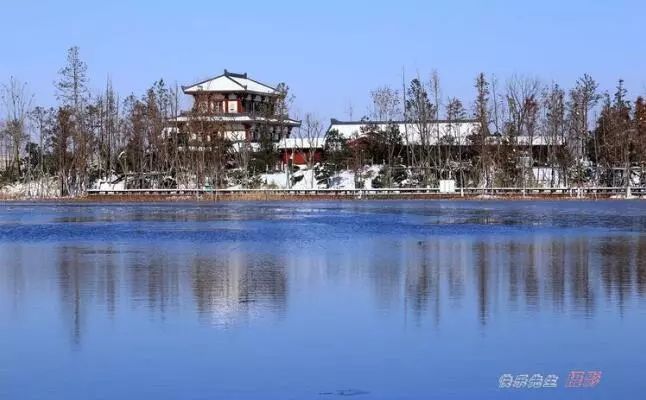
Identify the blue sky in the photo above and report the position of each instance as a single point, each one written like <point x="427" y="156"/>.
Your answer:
<point x="330" y="53"/>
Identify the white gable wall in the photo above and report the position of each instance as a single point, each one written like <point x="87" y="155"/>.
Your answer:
<point x="458" y="131"/>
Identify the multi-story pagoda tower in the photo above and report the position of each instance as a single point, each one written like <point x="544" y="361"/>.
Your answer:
<point x="237" y="107"/>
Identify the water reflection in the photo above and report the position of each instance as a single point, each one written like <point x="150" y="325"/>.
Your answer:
<point x="432" y="279"/>
<point x="237" y="287"/>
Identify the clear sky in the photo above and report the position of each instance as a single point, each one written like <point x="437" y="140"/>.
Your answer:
<point x="331" y="53"/>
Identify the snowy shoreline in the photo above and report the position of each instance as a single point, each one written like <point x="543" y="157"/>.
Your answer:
<point x="300" y="185"/>
<point x="272" y="196"/>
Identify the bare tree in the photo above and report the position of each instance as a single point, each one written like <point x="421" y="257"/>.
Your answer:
<point x="435" y="90"/>
<point x="72" y="84"/>
<point x="309" y="140"/>
<point x="109" y="136"/>
<point x="385" y="104"/>
<point x="583" y="98"/>
<point x="17" y="104"/>
<point x="386" y="110"/>
<point x="420" y="112"/>
<point x="480" y="139"/>
<point x="61" y="149"/>
<point x="43" y="119"/>
<point x="615" y="135"/>
<point x="455" y="113"/>
<point x="520" y="129"/>
<point x="73" y="92"/>
<point x="554" y="127"/>
<point x="639" y="120"/>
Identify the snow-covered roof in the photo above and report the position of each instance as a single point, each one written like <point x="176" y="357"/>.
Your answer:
<point x="230" y="82"/>
<point x="302" y="143"/>
<point x="456" y="132"/>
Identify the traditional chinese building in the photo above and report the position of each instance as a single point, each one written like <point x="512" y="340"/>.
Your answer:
<point x="241" y="109"/>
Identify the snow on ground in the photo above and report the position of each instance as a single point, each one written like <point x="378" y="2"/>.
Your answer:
<point x="46" y="187"/>
<point x="543" y="176"/>
<point x="111" y="183"/>
<point x="369" y="173"/>
<point x="346" y="179"/>
<point x="278" y="180"/>
<point x="342" y="180"/>
<point x="308" y="181"/>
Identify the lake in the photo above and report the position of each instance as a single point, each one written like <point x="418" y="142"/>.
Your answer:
<point x="323" y="300"/>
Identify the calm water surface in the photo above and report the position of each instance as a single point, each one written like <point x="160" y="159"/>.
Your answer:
<point x="374" y="300"/>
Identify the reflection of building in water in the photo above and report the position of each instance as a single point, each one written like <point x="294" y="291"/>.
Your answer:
<point x="226" y="289"/>
<point x="238" y="286"/>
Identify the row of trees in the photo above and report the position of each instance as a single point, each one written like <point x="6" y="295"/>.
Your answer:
<point x="87" y="137"/>
<point x="577" y="136"/>
<point x="583" y="136"/>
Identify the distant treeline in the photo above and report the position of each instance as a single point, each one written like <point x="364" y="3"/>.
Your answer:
<point x="588" y="136"/>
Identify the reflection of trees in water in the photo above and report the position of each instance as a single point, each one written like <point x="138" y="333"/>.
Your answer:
<point x="618" y="255"/>
<point x="482" y="279"/>
<point x="106" y="277"/>
<point x="386" y="279"/>
<point x="422" y="279"/>
<point x="556" y="274"/>
<point x="514" y="266"/>
<point x="12" y="274"/>
<point x="456" y="277"/>
<point x="76" y="283"/>
<point x="530" y="275"/>
<point x="86" y="277"/>
<point x="489" y="275"/>
<point x="155" y="278"/>
<point x="527" y="275"/>
<point x="581" y="292"/>
<point x="520" y="261"/>
<point x="640" y="260"/>
<point x="225" y="290"/>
